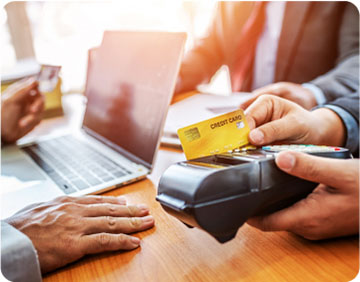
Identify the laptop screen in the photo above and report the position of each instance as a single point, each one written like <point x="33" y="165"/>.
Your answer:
<point x="131" y="78"/>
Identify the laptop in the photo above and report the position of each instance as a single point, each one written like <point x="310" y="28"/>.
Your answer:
<point x="130" y="82"/>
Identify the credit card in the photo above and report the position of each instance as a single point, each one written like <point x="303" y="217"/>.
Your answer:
<point x="48" y="78"/>
<point x="215" y="136"/>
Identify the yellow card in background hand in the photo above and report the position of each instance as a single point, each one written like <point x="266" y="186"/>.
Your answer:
<point x="214" y="136"/>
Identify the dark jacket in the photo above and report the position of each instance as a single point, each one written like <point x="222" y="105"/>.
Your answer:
<point x="319" y="43"/>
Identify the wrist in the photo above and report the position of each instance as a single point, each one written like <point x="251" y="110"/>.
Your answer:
<point x="310" y="100"/>
<point x="330" y="130"/>
<point x="317" y="93"/>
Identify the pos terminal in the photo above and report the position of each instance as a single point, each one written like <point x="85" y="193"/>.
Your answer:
<point x="219" y="193"/>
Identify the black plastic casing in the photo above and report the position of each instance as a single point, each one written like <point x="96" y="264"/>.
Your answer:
<point x="219" y="193"/>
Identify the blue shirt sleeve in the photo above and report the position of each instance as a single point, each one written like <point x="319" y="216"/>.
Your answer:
<point x="351" y="125"/>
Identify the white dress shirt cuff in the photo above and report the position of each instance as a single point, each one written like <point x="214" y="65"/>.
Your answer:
<point x="318" y="93"/>
<point x="19" y="260"/>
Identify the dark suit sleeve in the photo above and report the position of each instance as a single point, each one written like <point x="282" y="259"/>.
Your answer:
<point x="344" y="78"/>
<point x="347" y="108"/>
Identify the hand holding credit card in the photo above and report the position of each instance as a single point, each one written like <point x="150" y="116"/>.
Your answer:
<point x="215" y="136"/>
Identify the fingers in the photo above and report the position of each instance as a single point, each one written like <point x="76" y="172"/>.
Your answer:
<point x="273" y="131"/>
<point x="97" y="243"/>
<point x="273" y="89"/>
<point x="265" y="109"/>
<point x="276" y="119"/>
<point x="285" y="219"/>
<point x="332" y="172"/>
<point x="33" y="117"/>
<point x="115" y="210"/>
<point x="94" y="199"/>
<point x="22" y="89"/>
<point x="28" y="122"/>
<point x="259" y="112"/>
<point x="111" y="224"/>
<point x="248" y="102"/>
<point x="37" y="105"/>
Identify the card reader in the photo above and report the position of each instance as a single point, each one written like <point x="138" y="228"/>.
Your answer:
<point x="219" y="193"/>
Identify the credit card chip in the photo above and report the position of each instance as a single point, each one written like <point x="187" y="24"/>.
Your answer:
<point x="192" y="134"/>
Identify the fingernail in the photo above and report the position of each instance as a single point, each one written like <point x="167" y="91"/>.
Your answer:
<point x="148" y="219"/>
<point x="256" y="136"/>
<point x="285" y="160"/>
<point x="135" y="240"/>
<point x="143" y="207"/>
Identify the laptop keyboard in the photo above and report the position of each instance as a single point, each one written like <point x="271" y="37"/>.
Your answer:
<point x="74" y="165"/>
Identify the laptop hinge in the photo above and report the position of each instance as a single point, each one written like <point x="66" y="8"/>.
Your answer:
<point x="116" y="148"/>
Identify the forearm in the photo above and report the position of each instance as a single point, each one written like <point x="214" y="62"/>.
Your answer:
<point x="199" y="64"/>
<point x="191" y="75"/>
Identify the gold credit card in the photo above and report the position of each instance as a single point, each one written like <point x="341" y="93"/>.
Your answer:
<point x="215" y="136"/>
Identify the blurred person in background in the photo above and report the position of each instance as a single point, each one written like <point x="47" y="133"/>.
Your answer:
<point x="307" y="52"/>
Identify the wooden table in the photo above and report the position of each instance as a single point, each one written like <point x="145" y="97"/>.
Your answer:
<point x="172" y="252"/>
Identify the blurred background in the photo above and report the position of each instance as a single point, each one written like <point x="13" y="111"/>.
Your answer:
<point x="60" y="33"/>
